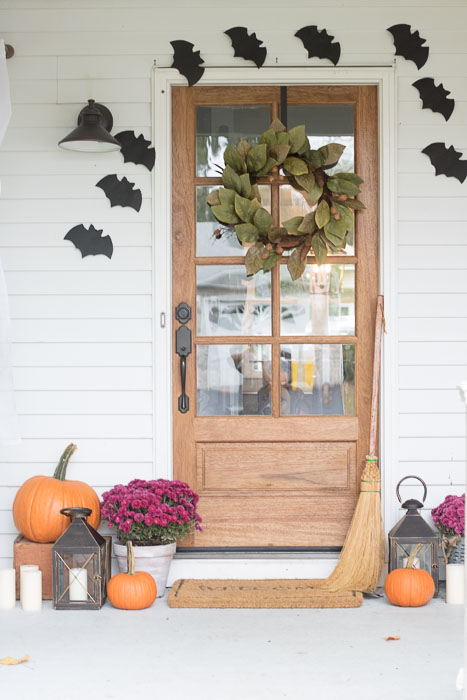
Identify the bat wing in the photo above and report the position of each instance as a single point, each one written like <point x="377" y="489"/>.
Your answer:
<point x="120" y="192"/>
<point x="446" y="161"/>
<point x="409" y="44"/>
<point x="187" y="61"/>
<point x="136" y="149"/>
<point x="89" y="241"/>
<point x="247" y="46"/>
<point x="435" y="97"/>
<point x="319" y="43"/>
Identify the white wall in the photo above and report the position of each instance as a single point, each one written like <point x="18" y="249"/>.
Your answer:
<point x="82" y="329"/>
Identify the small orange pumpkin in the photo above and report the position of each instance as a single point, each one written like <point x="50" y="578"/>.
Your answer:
<point x="37" y="506"/>
<point x="409" y="587"/>
<point x="134" y="590"/>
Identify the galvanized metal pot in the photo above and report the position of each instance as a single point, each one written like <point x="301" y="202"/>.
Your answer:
<point x="155" y="559"/>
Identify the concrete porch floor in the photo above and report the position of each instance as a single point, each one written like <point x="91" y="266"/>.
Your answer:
<point x="234" y="654"/>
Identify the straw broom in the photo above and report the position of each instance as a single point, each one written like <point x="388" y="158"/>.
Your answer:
<point x="362" y="557"/>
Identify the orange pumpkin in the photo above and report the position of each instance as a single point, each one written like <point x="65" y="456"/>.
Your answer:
<point x="37" y="506"/>
<point x="134" y="590"/>
<point x="409" y="587"/>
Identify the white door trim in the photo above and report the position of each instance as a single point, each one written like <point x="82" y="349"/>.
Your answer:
<point x="384" y="78"/>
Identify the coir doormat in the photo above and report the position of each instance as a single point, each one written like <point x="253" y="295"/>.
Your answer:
<point x="258" y="593"/>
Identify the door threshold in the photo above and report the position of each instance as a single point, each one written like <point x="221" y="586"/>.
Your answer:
<point x="230" y="553"/>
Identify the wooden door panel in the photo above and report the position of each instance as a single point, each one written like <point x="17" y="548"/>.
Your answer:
<point x="272" y="480"/>
<point x="282" y="466"/>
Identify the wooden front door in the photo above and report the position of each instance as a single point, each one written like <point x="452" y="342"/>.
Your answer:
<point x="279" y="377"/>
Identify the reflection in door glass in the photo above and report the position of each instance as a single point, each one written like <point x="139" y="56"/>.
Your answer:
<point x="207" y="244"/>
<point x="230" y="303"/>
<point x="234" y="380"/>
<point x="317" y="380"/>
<point x="218" y="126"/>
<point x="320" y="302"/>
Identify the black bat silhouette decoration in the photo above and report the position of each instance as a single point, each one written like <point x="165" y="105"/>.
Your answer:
<point x="89" y="241"/>
<point x="247" y="46"/>
<point x="409" y="44"/>
<point x="136" y="149"/>
<point x="446" y="161"/>
<point x="319" y="43"/>
<point x="120" y="192"/>
<point x="435" y="97"/>
<point x="187" y="61"/>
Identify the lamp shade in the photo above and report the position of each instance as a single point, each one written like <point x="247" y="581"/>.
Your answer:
<point x="93" y="131"/>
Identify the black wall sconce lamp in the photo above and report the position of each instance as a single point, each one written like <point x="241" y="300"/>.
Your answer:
<point x="92" y="134"/>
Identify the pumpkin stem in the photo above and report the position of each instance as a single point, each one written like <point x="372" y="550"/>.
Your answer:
<point x="130" y="556"/>
<point x="411" y="559"/>
<point x="60" y="470"/>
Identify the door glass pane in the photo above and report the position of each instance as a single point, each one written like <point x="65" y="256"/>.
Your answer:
<point x="317" y="380"/>
<point x="321" y="302"/>
<point x="233" y="380"/>
<point x="327" y="124"/>
<point x="294" y="203"/>
<point x="217" y="126"/>
<point x="207" y="245"/>
<point x="230" y="303"/>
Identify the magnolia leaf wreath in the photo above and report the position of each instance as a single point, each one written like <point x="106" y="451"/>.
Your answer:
<point x="237" y="205"/>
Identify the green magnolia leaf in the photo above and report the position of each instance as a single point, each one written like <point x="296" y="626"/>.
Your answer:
<point x="342" y="186"/>
<point x="270" y="261"/>
<point x="213" y="198"/>
<point x="232" y="158"/>
<point x="317" y="158"/>
<point x="315" y="194"/>
<point x="277" y="126"/>
<point x="296" y="166"/>
<point x="319" y="248"/>
<point x="336" y="227"/>
<point x="275" y="233"/>
<point x="269" y="137"/>
<point x="256" y="158"/>
<point x="225" y="214"/>
<point x="335" y="150"/>
<point x="291" y="225"/>
<point x="346" y="215"/>
<point x="295" y="265"/>
<point x="263" y="221"/>
<point x="242" y="207"/>
<point x="242" y="149"/>
<point x="297" y="138"/>
<point x="253" y="259"/>
<point x="335" y="241"/>
<point x="270" y="163"/>
<point x="354" y="204"/>
<point x="283" y="139"/>
<point x="231" y="180"/>
<point x="226" y="197"/>
<point x="308" y="224"/>
<point x="246" y="185"/>
<point x="306" y="181"/>
<point x="247" y="233"/>
<point x="254" y="206"/>
<point x="255" y="192"/>
<point x="305" y="150"/>
<point x="351" y="177"/>
<point x="280" y="152"/>
<point x="323" y="214"/>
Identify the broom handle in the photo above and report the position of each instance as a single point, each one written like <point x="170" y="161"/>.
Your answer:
<point x="376" y="370"/>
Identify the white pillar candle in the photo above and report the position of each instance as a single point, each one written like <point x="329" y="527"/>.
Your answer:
<point x="7" y="589"/>
<point x="78" y="584"/>
<point x="31" y="581"/>
<point x="455" y="584"/>
<point x="22" y="569"/>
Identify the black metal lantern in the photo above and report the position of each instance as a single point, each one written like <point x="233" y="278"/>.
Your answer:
<point x="79" y="565"/>
<point x="411" y="531"/>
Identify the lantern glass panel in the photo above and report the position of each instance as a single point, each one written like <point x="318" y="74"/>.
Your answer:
<point x="423" y="558"/>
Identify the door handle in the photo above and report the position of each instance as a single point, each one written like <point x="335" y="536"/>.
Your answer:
<point x="183" y="349"/>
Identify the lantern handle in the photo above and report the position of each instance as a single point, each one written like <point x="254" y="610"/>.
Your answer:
<point x="411" y="476"/>
<point x="76" y="512"/>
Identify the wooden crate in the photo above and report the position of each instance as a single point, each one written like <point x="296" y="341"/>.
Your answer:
<point x="27" y="552"/>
